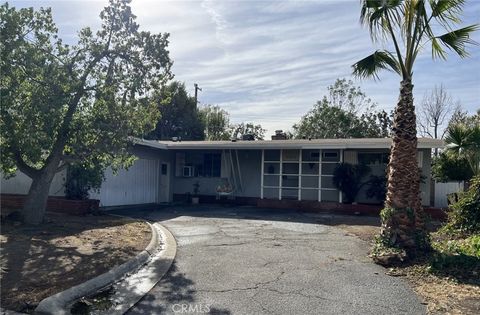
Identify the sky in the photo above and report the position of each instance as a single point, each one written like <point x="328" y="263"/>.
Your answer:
<point x="268" y="62"/>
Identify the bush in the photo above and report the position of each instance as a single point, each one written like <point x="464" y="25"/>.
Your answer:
<point x="457" y="257"/>
<point x="464" y="215"/>
<point x="348" y="178"/>
<point x="450" y="167"/>
<point x="81" y="179"/>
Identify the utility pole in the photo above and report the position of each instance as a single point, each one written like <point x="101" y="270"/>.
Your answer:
<point x="196" y="93"/>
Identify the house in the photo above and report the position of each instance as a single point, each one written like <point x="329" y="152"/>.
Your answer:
<point x="250" y="172"/>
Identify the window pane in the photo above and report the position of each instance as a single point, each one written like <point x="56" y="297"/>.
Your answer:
<point x="328" y="168"/>
<point x="272" y="155"/>
<point x="272" y="168"/>
<point x="309" y="194"/>
<point x="289" y="181"/>
<point x="310" y="168"/>
<point x="290" y="168"/>
<point x="310" y="155"/>
<point x="330" y="195"/>
<point x="331" y="155"/>
<point x="289" y="193"/>
<point x="271" y="180"/>
<point x="216" y="165"/>
<point x="270" y="193"/>
<point x="327" y="182"/>
<point x="291" y="155"/>
<point x="373" y="158"/>
<point x="310" y="181"/>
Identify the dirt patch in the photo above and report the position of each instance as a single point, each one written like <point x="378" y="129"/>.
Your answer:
<point x="441" y="294"/>
<point x="39" y="261"/>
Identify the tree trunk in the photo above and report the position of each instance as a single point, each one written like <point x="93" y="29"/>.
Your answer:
<point x="404" y="221"/>
<point x="36" y="202"/>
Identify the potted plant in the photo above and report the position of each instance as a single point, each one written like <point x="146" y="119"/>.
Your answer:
<point x="195" y="197"/>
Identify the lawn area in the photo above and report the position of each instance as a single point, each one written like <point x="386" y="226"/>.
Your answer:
<point x="38" y="261"/>
<point x="447" y="279"/>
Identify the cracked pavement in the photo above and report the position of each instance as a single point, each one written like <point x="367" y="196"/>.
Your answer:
<point x="245" y="260"/>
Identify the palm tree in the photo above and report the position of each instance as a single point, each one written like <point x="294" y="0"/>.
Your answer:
<point x="410" y="25"/>
<point x="464" y="141"/>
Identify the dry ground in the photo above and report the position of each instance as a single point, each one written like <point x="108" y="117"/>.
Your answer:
<point x="441" y="294"/>
<point x="39" y="261"/>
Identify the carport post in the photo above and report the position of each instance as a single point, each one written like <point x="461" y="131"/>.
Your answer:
<point x="340" y="195"/>
<point x="261" y="174"/>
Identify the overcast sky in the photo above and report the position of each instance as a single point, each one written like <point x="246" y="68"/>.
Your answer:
<point x="270" y="61"/>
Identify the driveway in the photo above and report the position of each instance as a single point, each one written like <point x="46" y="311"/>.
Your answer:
<point x="242" y="260"/>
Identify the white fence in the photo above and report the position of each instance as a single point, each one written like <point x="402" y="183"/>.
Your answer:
<point x="443" y="189"/>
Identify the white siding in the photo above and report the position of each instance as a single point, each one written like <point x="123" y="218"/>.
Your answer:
<point x="137" y="185"/>
<point x="443" y="189"/>
<point x="20" y="184"/>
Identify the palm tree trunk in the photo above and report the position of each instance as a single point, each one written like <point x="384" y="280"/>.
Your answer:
<point x="404" y="221"/>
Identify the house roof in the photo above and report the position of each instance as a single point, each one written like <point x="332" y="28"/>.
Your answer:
<point x="357" y="143"/>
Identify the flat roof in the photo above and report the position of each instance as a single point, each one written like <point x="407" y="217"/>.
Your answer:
<point x="357" y="143"/>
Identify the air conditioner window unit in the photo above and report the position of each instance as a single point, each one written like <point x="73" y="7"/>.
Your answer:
<point x="187" y="171"/>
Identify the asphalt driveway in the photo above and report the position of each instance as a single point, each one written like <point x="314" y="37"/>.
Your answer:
<point x="241" y="260"/>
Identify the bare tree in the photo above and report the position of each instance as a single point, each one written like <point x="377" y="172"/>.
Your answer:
<point x="434" y="113"/>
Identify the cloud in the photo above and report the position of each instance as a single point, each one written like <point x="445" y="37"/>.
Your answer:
<point x="270" y="61"/>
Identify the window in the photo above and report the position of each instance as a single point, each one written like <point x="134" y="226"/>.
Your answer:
<point x="373" y="158"/>
<point x="211" y="165"/>
<point x="164" y="169"/>
<point x="330" y="156"/>
<point x="199" y="164"/>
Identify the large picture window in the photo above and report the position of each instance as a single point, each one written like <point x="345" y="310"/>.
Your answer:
<point x="199" y="164"/>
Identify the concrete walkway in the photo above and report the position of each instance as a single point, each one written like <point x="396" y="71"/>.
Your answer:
<point x="251" y="261"/>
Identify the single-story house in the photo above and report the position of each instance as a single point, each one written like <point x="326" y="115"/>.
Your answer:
<point x="249" y="172"/>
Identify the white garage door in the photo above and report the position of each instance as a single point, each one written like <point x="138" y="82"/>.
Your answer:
<point x="138" y="185"/>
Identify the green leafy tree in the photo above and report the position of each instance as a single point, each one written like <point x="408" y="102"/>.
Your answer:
<point x="346" y="112"/>
<point x="74" y="104"/>
<point x="179" y="114"/>
<point x="347" y="96"/>
<point x="217" y="123"/>
<point x="408" y="24"/>
<point x="241" y="129"/>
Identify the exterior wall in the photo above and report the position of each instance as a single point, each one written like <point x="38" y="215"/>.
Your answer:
<point x="250" y="167"/>
<point x="20" y="184"/>
<point x="140" y="184"/>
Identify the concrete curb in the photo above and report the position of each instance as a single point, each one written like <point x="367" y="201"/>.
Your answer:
<point x="59" y="303"/>
<point x="133" y="288"/>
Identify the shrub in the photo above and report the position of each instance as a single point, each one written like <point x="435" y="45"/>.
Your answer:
<point x="81" y="179"/>
<point x="348" y="178"/>
<point x="464" y="215"/>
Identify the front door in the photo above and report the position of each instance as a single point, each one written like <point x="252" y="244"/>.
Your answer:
<point x="164" y="194"/>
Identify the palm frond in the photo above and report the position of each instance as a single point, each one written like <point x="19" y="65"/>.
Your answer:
<point x="457" y="40"/>
<point x="437" y="50"/>
<point x="446" y="11"/>
<point x="371" y="65"/>
<point x="373" y="15"/>
<point x="458" y="138"/>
